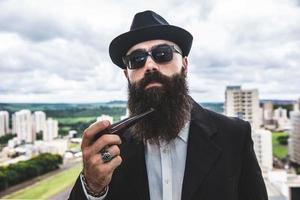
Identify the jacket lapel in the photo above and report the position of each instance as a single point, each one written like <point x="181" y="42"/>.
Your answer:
<point x="202" y="152"/>
<point x="137" y="169"/>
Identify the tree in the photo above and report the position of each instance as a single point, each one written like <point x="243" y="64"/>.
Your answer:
<point x="25" y="170"/>
<point x="283" y="140"/>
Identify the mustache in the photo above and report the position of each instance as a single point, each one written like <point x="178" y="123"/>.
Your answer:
<point x="171" y="102"/>
<point x="155" y="76"/>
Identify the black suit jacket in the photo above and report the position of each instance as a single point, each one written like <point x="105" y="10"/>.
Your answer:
<point x="220" y="163"/>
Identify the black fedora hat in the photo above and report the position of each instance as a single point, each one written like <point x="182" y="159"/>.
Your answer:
<point x="145" y="26"/>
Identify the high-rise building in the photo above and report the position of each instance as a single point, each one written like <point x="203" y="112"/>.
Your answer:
<point x="268" y="111"/>
<point x="243" y="104"/>
<point x="297" y="105"/>
<point x="262" y="140"/>
<point x="260" y="117"/>
<point x="294" y="140"/>
<point x="51" y="130"/>
<point x="281" y="118"/>
<point x="4" y="123"/>
<point x="39" y="118"/>
<point x="23" y="127"/>
<point x="268" y="116"/>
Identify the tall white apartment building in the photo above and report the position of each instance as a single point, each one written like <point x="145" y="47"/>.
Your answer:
<point x="39" y="118"/>
<point x="280" y="116"/>
<point x="280" y="113"/>
<point x="22" y="126"/>
<point x="4" y="122"/>
<point x="243" y="104"/>
<point x="51" y="130"/>
<point x="268" y="112"/>
<point x="294" y="140"/>
<point x="262" y="140"/>
<point x="297" y="105"/>
<point x="260" y="117"/>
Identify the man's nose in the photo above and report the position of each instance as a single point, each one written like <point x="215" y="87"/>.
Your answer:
<point x="151" y="65"/>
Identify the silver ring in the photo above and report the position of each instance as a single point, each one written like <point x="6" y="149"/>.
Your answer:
<point x="106" y="156"/>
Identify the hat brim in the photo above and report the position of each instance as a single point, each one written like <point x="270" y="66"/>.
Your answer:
<point x="121" y="44"/>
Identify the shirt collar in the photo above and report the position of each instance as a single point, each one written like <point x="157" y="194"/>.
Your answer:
<point x="184" y="132"/>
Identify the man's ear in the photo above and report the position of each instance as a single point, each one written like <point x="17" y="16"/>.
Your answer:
<point x="125" y="73"/>
<point x="185" y="64"/>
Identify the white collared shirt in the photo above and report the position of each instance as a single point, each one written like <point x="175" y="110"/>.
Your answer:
<point x="165" y="163"/>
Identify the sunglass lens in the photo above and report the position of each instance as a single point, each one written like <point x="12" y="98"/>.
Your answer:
<point x="162" y="54"/>
<point x="137" y="60"/>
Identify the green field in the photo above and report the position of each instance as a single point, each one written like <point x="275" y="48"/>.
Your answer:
<point x="49" y="186"/>
<point x="280" y="151"/>
<point x="74" y="120"/>
<point x="74" y="123"/>
<point x="74" y="146"/>
<point x="77" y="123"/>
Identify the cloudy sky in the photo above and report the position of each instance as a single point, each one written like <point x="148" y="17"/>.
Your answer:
<point x="57" y="50"/>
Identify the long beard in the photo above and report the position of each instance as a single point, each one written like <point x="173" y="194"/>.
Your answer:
<point x="171" y="103"/>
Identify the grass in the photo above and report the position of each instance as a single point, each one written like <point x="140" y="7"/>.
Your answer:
<point x="74" y="146"/>
<point x="48" y="187"/>
<point x="280" y="151"/>
<point x="74" y="120"/>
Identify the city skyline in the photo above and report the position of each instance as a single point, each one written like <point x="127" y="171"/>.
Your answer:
<point x="48" y="55"/>
<point x="270" y="129"/>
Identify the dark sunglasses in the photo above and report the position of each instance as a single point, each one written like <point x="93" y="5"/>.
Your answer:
<point x="160" y="54"/>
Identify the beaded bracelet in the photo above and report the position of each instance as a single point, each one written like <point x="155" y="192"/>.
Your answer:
<point x="89" y="191"/>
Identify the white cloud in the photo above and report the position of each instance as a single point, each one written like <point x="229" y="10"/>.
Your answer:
<point x="57" y="51"/>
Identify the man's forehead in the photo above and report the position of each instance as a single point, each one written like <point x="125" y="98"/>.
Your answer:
<point x="148" y="44"/>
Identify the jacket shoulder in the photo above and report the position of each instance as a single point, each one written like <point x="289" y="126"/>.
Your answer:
<point x="229" y="125"/>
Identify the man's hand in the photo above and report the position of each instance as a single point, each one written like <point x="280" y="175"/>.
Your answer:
<point x="98" y="173"/>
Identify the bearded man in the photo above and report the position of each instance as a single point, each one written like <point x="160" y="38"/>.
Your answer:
<point x="182" y="151"/>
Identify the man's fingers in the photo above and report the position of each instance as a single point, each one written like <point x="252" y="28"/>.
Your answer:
<point x="89" y="133"/>
<point x="112" y="150"/>
<point x="97" y="158"/>
<point x="114" y="163"/>
<point x="104" y="141"/>
<point x="98" y="173"/>
<point x="108" y="168"/>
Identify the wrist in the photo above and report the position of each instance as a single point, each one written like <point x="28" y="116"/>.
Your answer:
<point x="90" y="191"/>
